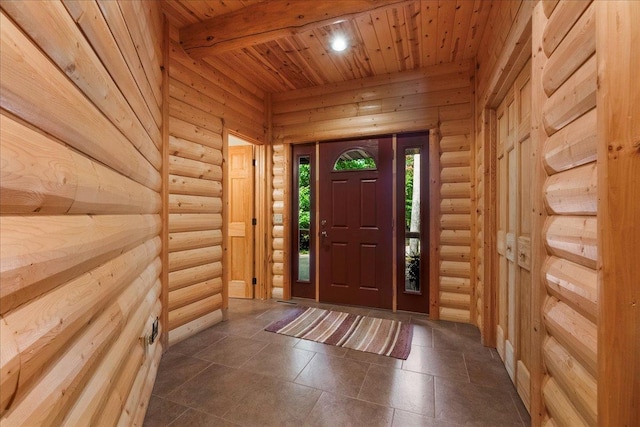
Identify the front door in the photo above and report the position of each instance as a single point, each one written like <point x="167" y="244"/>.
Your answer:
<point x="355" y="228"/>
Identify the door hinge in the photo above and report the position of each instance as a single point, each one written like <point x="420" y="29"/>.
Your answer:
<point x="254" y="221"/>
<point x="253" y="162"/>
<point x="254" y="281"/>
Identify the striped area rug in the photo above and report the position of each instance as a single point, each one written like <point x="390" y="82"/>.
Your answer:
<point x="370" y="334"/>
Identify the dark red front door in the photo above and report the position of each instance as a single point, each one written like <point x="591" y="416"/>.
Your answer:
<point x="355" y="233"/>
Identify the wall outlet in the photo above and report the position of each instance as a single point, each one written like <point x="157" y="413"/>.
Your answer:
<point x="277" y="219"/>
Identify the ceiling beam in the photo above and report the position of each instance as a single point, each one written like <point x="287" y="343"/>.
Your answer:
<point x="270" y="20"/>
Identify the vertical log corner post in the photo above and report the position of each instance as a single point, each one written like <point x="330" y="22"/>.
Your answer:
<point x="618" y="133"/>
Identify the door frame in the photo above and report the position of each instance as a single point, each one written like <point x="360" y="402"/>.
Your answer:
<point x="516" y="53"/>
<point x="433" y="221"/>
<point x="259" y="212"/>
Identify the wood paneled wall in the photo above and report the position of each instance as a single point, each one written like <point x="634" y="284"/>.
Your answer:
<point x="80" y="210"/>
<point x="436" y="97"/>
<point x="202" y="101"/>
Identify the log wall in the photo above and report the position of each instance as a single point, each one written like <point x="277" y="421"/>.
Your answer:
<point x="564" y="249"/>
<point x="437" y="97"/>
<point x="564" y="80"/>
<point x="80" y="205"/>
<point x="202" y="101"/>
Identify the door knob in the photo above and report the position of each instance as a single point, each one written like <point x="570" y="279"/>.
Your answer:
<point x="324" y="234"/>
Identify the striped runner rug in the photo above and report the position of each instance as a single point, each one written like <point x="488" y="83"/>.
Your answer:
<point x="370" y="334"/>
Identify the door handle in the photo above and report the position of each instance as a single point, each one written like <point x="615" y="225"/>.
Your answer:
<point x="324" y="234"/>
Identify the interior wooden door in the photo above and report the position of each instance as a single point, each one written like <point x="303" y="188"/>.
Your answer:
<point x="355" y="204"/>
<point x="240" y="217"/>
<point x="507" y="193"/>
<point x="513" y="335"/>
<point x="522" y="95"/>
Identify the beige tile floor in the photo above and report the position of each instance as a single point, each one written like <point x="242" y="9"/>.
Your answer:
<point x="236" y="374"/>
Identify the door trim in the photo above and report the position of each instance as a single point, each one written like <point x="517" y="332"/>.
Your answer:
<point x="260" y="212"/>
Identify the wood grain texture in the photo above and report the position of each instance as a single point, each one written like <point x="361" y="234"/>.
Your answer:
<point x="538" y="412"/>
<point x="560" y="407"/>
<point x="190" y="312"/>
<point x="573" y="99"/>
<point x="189" y="329"/>
<point x="573" y="238"/>
<point x="574" y="284"/>
<point x="573" y="51"/>
<point x="96" y="30"/>
<point x="572" y="146"/>
<point x="113" y="368"/>
<point x="201" y="104"/>
<point x="194" y="239"/>
<point x="80" y="229"/>
<point x="564" y="16"/>
<point x="33" y="89"/>
<point x="618" y="207"/>
<point x="40" y="253"/>
<point x="188" y="276"/>
<point x="261" y="23"/>
<point x="71" y="52"/>
<point x="9" y="366"/>
<point x="69" y="308"/>
<point x="573" y="192"/>
<point x="44" y="405"/>
<point x="573" y="379"/>
<point x="194" y="257"/>
<point x="193" y="293"/>
<point x="575" y="332"/>
<point x="42" y="176"/>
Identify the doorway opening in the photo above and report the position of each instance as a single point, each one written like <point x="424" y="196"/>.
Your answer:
<point x="241" y="218"/>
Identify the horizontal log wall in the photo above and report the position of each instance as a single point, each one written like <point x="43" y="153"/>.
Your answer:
<point x="281" y="200"/>
<point x="201" y="102"/>
<point x="566" y="88"/>
<point x="200" y="91"/>
<point x="436" y="97"/>
<point x="80" y="201"/>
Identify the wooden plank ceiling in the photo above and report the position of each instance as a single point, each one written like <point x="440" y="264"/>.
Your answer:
<point x="391" y="36"/>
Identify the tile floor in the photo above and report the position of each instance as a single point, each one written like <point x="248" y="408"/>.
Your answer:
<point x="236" y="374"/>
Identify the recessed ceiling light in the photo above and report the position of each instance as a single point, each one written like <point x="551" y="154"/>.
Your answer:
<point x="339" y="44"/>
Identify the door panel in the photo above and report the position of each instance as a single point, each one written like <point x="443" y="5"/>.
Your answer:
<point x="240" y="228"/>
<point x="355" y="225"/>
<point x="514" y="233"/>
